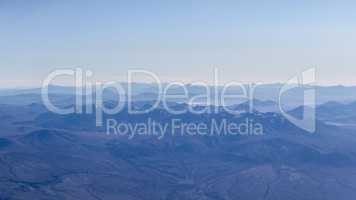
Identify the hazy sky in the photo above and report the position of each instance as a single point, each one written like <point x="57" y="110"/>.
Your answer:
<point x="248" y="41"/>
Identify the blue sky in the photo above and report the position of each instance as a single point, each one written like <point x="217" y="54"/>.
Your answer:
<point x="248" y="41"/>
